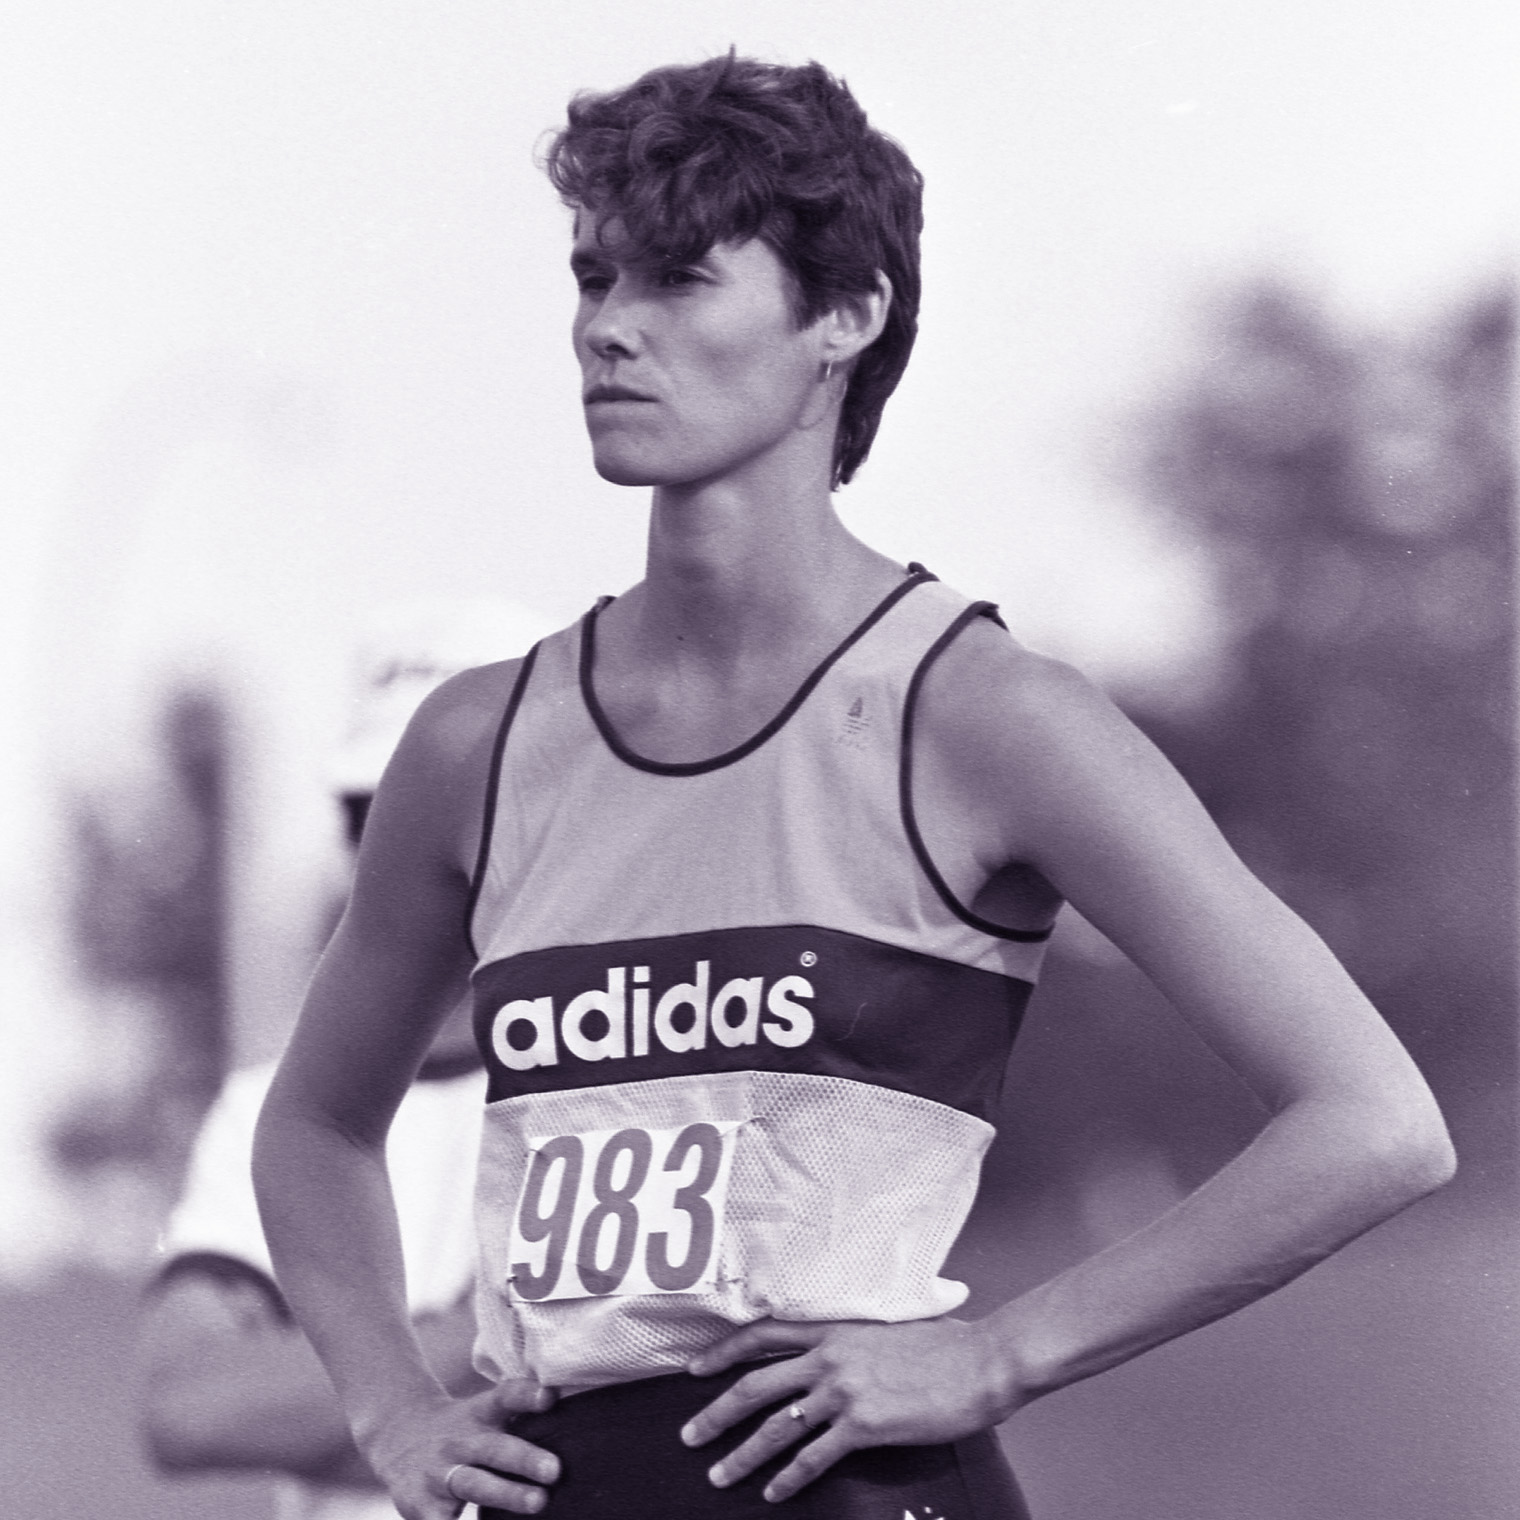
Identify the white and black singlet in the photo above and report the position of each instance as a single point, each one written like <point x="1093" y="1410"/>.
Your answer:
<point x="743" y="1035"/>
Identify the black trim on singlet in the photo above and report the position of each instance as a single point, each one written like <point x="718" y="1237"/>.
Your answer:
<point x="223" y="1269"/>
<point x="448" y="1067"/>
<point x="905" y="785"/>
<point x="917" y="576"/>
<point x="493" y="781"/>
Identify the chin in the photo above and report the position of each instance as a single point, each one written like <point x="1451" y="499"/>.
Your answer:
<point x="624" y="472"/>
<point x="629" y="467"/>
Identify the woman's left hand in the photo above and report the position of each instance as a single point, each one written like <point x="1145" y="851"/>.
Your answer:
<point x="855" y="1384"/>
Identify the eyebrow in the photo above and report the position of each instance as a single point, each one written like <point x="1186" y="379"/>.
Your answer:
<point x="583" y="260"/>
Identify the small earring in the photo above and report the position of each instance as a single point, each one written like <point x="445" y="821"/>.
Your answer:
<point x="828" y="371"/>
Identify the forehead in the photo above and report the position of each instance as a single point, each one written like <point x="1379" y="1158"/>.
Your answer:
<point x="604" y="235"/>
<point x="601" y="240"/>
<point x="601" y="236"/>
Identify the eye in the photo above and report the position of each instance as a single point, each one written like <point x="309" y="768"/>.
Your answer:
<point x="593" y="284"/>
<point x="678" y="276"/>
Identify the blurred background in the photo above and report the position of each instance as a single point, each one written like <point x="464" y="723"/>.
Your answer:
<point x="1214" y="394"/>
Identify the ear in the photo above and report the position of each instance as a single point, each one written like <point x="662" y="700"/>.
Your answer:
<point x="855" y="324"/>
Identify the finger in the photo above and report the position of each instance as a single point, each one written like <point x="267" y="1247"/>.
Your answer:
<point x="764" y="1337"/>
<point x="781" y="1430"/>
<point x="755" y="1390"/>
<point x="518" y="1396"/>
<point x="811" y="1462"/>
<point x="478" y="1485"/>
<point x="506" y="1453"/>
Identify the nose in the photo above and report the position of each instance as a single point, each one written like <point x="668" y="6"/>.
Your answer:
<point x="610" y="328"/>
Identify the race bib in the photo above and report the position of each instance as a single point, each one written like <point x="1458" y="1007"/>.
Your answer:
<point x="625" y="1211"/>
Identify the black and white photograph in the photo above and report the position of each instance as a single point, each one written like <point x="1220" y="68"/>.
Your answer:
<point x="761" y="761"/>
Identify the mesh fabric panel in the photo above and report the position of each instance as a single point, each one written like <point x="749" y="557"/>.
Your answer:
<point x="843" y="1201"/>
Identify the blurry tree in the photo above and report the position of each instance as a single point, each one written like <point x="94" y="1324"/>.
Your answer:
<point x="1355" y="495"/>
<point x="1358" y="495"/>
<point x="148" y="923"/>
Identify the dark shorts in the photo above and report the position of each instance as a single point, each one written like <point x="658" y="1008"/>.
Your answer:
<point x="622" y="1459"/>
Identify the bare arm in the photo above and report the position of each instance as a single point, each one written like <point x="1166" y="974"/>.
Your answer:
<point x="1063" y="783"/>
<point x="1354" y="1135"/>
<point x="397" y="963"/>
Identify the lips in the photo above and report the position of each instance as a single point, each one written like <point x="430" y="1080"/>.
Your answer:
<point x="613" y="393"/>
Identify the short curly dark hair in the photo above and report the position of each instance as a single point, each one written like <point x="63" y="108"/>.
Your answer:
<point x="730" y="149"/>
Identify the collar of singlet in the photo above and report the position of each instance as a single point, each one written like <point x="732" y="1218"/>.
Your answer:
<point x="916" y="576"/>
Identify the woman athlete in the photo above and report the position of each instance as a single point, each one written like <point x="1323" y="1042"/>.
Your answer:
<point x="751" y="871"/>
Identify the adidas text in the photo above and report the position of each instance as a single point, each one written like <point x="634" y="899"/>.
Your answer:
<point x="619" y="1021"/>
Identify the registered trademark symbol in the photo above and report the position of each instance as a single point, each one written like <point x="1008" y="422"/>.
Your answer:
<point x="808" y="958"/>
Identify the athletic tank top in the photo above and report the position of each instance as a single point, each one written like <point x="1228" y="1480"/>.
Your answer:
<point x="743" y="1035"/>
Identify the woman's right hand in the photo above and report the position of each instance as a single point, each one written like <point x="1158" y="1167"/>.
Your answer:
<point x="438" y="1457"/>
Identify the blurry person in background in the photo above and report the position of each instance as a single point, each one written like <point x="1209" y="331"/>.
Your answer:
<point x="232" y="1384"/>
<point x="752" y="871"/>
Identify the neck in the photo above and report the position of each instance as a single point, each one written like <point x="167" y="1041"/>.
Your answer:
<point x="745" y="561"/>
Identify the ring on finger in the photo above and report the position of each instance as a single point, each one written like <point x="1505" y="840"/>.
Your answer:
<point x="448" y="1482"/>
<point x="798" y="1413"/>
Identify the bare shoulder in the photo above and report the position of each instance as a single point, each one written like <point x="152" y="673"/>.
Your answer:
<point x="433" y="791"/>
<point x="990" y="696"/>
<point x="1035" y="742"/>
<point x="458" y="720"/>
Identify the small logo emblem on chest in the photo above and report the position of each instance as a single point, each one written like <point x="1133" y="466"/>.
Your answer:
<point x="856" y="726"/>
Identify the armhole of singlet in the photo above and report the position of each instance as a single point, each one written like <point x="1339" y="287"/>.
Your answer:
<point x="493" y="782"/>
<point x="905" y="783"/>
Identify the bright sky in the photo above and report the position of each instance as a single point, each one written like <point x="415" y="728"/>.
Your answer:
<point x="287" y="312"/>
